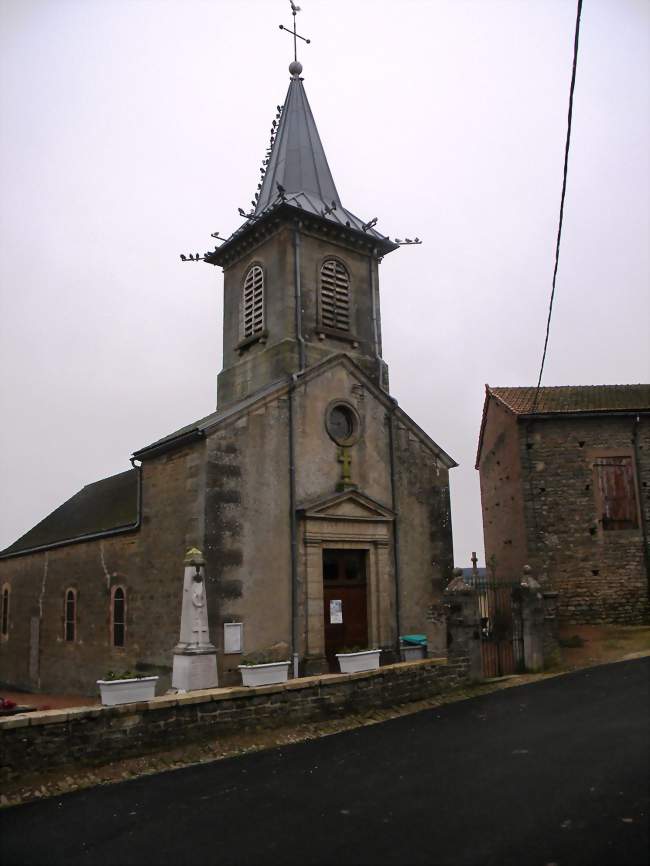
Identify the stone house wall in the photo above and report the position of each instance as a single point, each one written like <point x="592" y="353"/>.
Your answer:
<point x="540" y="508"/>
<point x="600" y="575"/>
<point x="502" y="489"/>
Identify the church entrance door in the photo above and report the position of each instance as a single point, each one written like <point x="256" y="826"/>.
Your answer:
<point x="346" y="603"/>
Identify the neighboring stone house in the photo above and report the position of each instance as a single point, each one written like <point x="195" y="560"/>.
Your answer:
<point x="308" y="485"/>
<point x="565" y="488"/>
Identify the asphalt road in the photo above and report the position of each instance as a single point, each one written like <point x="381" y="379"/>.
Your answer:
<point x="554" y="772"/>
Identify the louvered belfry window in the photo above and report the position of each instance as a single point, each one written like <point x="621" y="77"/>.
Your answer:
<point x="253" y="303"/>
<point x="335" y="296"/>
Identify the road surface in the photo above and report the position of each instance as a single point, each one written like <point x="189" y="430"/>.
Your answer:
<point x="554" y="772"/>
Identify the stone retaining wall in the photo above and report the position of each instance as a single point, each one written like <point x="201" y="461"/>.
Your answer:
<point x="94" y="735"/>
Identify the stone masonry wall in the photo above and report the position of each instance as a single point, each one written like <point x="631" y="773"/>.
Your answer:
<point x="504" y="529"/>
<point x="95" y="735"/>
<point x="601" y="576"/>
<point x="426" y="554"/>
<point x="146" y="563"/>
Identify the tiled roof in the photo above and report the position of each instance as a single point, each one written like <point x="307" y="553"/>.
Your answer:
<point x="106" y="505"/>
<point x="575" y="399"/>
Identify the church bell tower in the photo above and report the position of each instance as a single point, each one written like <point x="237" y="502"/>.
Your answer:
<point x="301" y="274"/>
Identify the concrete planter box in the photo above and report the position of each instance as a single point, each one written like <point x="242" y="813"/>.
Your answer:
<point x="127" y="691"/>
<point x="264" y="675"/>
<point x="412" y="653"/>
<point x="354" y="663"/>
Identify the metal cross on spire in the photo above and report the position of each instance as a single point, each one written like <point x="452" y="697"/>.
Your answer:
<point x="294" y="11"/>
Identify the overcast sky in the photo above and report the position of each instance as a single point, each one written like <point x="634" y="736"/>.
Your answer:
<point x="131" y="129"/>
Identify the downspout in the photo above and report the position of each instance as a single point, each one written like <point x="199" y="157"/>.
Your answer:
<point x="644" y="526"/>
<point x="298" y="297"/>
<point x="293" y="521"/>
<point x="396" y="548"/>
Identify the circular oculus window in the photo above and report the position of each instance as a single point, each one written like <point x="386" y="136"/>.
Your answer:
<point x="343" y="424"/>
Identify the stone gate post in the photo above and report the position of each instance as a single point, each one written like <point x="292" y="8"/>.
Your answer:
<point x="532" y="612"/>
<point x="551" y="638"/>
<point x="463" y="637"/>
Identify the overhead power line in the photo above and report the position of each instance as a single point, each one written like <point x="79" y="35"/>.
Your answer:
<point x="559" y="229"/>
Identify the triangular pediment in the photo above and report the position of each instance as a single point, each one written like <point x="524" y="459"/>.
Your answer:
<point x="347" y="505"/>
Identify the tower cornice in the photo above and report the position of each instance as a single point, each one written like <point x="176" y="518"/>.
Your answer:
<point x="254" y="232"/>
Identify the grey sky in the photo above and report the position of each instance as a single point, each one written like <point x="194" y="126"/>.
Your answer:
<point x="131" y="130"/>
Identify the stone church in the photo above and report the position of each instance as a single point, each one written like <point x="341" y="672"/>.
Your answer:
<point x="321" y="508"/>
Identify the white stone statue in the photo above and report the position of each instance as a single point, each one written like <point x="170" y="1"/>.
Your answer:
<point x="195" y="658"/>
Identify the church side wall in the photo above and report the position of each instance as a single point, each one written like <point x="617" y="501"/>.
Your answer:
<point x="24" y="576"/>
<point x="247" y="533"/>
<point x="147" y="564"/>
<point x="425" y="539"/>
<point x="173" y="496"/>
<point x="36" y="656"/>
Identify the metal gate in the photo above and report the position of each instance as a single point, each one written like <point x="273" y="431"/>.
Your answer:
<point x="501" y="628"/>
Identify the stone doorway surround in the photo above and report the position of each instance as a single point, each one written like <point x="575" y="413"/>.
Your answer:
<point x="349" y="521"/>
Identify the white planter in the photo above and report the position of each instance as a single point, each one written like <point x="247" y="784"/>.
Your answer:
<point x="127" y="691"/>
<point x="354" y="663"/>
<point x="411" y="653"/>
<point x="264" y="675"/>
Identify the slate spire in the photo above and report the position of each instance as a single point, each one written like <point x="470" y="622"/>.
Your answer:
<point x="297" y="162"/>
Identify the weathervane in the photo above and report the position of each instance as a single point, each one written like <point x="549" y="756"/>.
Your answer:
<point x="294" y="11"/>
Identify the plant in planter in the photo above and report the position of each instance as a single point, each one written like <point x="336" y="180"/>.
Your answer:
<point x="358" y="659"/>
<point x="126" y="688"/>
<point x="263" y="669"/>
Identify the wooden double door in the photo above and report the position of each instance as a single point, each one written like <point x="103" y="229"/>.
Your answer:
<point x="346" y="602"/>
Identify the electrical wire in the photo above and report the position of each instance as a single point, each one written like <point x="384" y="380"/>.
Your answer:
<point x="559" y="229"/>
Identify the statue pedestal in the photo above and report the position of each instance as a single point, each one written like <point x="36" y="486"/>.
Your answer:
<point x="195" y="670"/>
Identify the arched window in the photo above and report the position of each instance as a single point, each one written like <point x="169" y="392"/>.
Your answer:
<point x="252" y="311"/>
<point x="4" y="622"/>
<point x="335" y="296"/>
<point x="118" y="616"/>
<point x="70" y="630"/>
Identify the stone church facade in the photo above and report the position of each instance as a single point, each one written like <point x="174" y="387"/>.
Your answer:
<point x="308" y="485"/>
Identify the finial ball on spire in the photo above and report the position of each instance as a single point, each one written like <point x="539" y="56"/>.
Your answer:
<point x="295" y="67"/>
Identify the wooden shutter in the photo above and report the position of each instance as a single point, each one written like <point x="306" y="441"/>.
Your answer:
<point x="335" y="296"/>
<point x="615" y="479"/>
<point x="253" y="303"/>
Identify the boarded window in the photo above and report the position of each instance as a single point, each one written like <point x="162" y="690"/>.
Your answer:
<point x="5" y="611"/>
<point x="119" y="611"/>
<point x="253" y="303"/>
<point x="70" y="615"/>
<point x="335" y="296"/>
<point x="616" y="494"/>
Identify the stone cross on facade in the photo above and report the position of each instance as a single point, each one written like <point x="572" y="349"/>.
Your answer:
<point x="195" y="658"/>
<point x="345" y="459"/>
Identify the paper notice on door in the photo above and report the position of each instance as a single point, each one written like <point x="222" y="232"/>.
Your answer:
<point x="336" y="610"/>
